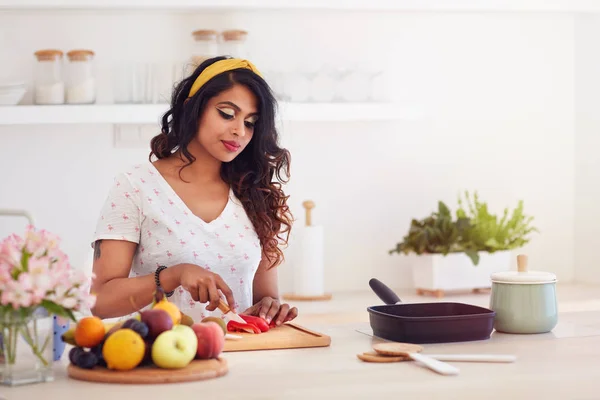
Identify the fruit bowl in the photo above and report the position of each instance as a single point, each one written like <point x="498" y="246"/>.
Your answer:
<point x="158" y="342"/>
<point x="150" y="374"/>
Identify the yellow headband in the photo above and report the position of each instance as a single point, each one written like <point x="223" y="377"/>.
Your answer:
<point x="219" y="67"/>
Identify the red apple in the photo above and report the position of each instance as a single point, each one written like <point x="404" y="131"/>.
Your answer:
<point x="210" y="339"/>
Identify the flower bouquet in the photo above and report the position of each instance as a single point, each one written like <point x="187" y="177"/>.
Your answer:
<point x="36" y="283"/>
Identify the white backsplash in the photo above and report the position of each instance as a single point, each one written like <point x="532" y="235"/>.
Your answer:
<point x="497" y="90"/>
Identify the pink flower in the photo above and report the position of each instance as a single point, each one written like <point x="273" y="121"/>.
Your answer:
<point x="45" y="275"/>
<point x="69" y="302"/>
<point x="15" y="295"/>
<point x="25" y="281"/>
<point x="4" y="276"/>
<point x="39" y="266"/>
<point x="42" y="284"/>
<point x="10" y="251"/>
<point x="39" y="242"/>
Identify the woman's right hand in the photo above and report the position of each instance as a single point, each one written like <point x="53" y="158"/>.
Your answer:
<point x="204" y="286"/>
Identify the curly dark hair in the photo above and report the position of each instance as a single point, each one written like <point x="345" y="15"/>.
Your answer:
<point x="251" y="173"/>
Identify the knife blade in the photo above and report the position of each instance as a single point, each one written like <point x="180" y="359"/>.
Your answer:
<point x="229" y="315"/>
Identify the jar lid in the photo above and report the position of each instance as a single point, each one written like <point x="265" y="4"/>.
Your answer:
<point x="80" y="55"/>
<point x="48" y="54"/>
<point x="234" y="34"/>
<point x="205" y="34"/>
<point x="522" y="275"/>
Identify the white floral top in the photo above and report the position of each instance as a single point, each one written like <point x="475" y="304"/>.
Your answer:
<point x="143" y="208"/>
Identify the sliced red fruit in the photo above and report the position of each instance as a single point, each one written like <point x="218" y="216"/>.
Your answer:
<point x="257" y="321"/>
<point x="233" y="326"/>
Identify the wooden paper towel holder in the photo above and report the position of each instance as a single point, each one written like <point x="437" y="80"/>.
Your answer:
<point x="308" y="206"/>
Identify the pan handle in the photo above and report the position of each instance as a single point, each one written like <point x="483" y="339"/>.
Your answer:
<point x="383" y="292"/>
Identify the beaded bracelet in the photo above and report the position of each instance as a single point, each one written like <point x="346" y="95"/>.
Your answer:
<point x="157" y="280"/>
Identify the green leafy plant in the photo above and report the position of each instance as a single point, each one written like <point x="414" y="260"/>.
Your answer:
<point x="490" y="233"/>
<point x="474" y="230"/>
<point x="436" y="234"/>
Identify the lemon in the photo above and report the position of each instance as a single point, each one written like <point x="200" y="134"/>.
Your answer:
<point x="123" y="350"/>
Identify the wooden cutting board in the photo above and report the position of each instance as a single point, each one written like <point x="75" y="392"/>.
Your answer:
<point x="286" y="336"/>
<point x="197" y="370"/>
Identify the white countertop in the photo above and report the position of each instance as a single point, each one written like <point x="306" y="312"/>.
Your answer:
<point x="563" y="364"/>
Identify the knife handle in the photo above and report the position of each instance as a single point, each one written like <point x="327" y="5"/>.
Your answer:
<point x="223" y="307"/>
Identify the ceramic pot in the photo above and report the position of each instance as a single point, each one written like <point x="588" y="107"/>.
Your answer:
<point x="524" y="301"/>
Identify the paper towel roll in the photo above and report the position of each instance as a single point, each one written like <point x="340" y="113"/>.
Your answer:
<point x="309" y="272"/>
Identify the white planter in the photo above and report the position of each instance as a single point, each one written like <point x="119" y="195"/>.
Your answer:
<point x="438" y="273"/>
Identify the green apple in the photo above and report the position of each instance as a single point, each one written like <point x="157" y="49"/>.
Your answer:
<point x="189" y="333"/>
<point x="175" y="348"/>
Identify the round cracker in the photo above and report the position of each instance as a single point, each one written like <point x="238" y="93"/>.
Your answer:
<point x="396" y="349"/>
<point x="374" y="353"/>
<point x="378" y="358"/>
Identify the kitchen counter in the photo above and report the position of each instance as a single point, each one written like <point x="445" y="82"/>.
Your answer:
<point x="563" y="364"/>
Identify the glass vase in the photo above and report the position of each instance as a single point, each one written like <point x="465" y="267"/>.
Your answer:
<point x="26" y="351"/>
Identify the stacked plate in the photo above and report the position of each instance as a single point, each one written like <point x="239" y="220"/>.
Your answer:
<point x="11" y="93"/>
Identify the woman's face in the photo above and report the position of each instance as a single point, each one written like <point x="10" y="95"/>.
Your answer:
<point x="227" y="124"/>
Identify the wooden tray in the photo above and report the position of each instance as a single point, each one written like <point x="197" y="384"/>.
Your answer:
<point x="286" y="336"/>
<point x="197" y="370"/>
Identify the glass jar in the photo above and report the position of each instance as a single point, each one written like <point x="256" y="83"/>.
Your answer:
<point x="81" y="85"/>
<point x="205" y="46"/>
<point x="48" y="79"/>
<point x="26" y="347"/>
<point x="234" y="43"/>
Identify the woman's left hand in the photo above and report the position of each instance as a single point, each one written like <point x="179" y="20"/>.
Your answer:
<point x="270" y="309"/>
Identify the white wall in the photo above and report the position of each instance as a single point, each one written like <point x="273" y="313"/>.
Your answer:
<point x="497" y="89"/>
<point x="587" y="162"/>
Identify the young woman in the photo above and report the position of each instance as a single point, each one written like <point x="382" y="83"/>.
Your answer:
<point x="204" y="221"/>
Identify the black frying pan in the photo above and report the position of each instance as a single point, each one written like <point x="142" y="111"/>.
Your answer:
<point x="427" y="322"/>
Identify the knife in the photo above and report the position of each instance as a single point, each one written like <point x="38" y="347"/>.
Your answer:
<point x="228" y="314"/>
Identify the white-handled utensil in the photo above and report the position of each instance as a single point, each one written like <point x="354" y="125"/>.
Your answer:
<point x="494" y="358"/>
<point x="412" y="351"/>
<point x="435" y="365"/>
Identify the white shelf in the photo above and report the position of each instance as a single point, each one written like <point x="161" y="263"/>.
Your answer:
<point x="374" y="5"/>
<point x="152" y="113"/>
<point x="82" y="114"/>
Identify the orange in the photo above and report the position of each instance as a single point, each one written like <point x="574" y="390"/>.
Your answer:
<point x="89" y="332"/>
<point x="124" y="350"/>
<point x="171" y="309"/>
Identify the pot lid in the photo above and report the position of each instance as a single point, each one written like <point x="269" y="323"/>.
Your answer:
<point x="522" y="275"/>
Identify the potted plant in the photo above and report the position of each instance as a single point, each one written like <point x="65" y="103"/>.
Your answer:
<point x="461" y="252"/>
